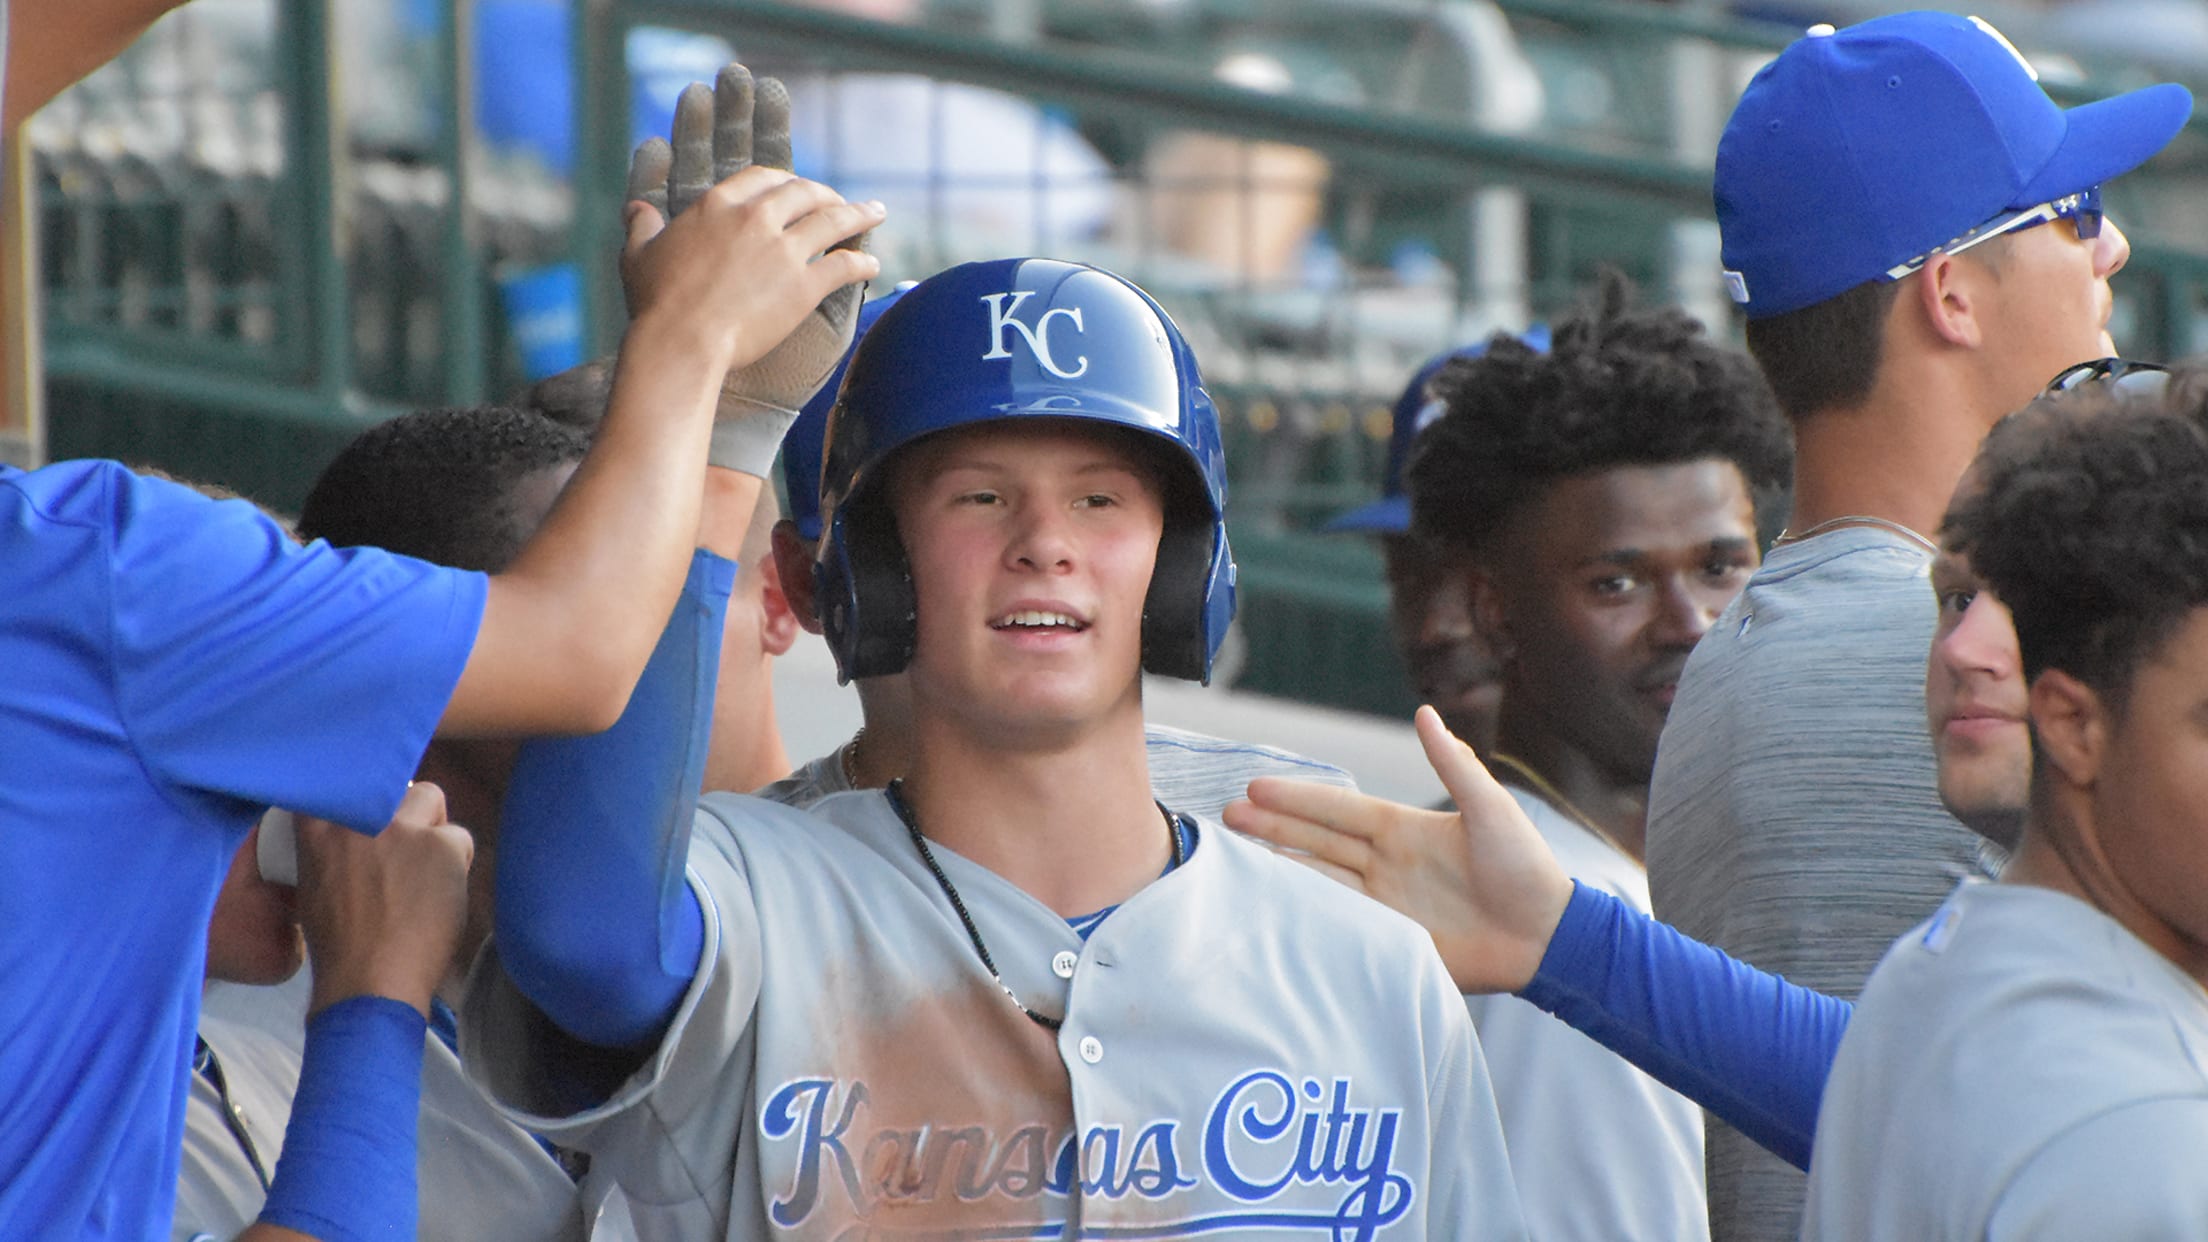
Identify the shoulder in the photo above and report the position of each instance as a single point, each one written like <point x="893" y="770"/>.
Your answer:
<point x="2129" y="1172"/>
<point x="1164" y="740"/>
<point x="1276" y="898"/>
<point x="2013" y="1016"/>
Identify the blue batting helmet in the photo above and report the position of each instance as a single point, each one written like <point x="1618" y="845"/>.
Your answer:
<point x="1021" y="338"/>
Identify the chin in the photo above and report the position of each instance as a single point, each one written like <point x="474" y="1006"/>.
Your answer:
<point x="1995" y="819"/>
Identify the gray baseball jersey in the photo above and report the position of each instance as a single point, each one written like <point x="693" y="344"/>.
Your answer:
<point x="2021" y="1066"/>
<point x="1193" y="773"/>
<point x="479" y="1177"/>
<point x="1247" y="1049"/>
<point x="1601" y="1151"/>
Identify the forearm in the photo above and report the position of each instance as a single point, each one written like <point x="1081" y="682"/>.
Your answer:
<point x="595" y="923"/>
<point x="348" y="1169"/>
<point x="53" y="43"/>
<point x="588" y="595"/>
<point x="1749" y="1046"/>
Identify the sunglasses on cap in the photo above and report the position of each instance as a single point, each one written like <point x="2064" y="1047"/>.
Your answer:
<point x="2146" y="377"/>
<point x="2082" y="210"/>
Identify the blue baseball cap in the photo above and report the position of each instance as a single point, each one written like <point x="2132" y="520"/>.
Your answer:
<point x="1858" y="150"/>
<point x="801" y="444"/>
<point x="1414" y="412"/>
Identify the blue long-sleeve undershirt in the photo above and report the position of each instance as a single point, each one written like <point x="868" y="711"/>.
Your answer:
<point x="1746" y="1045"/>
<point x="595" y="922"/>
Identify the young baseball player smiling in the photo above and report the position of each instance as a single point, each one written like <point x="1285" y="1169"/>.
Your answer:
<point x="1011" y="995"/>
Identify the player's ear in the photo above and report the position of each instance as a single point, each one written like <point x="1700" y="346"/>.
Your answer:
<point x="793" y="573"/>
<point x="2071" y="722"/>
<point x="1948" y="294"/>
<point x="778" y="624"/>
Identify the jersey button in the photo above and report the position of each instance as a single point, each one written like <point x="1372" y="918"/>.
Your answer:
<point x="1092" y="1049"/>
<point x="1064" y="963"/>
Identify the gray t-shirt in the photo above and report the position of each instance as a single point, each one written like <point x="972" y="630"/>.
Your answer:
<point x="1794" y="819"/>
<point x="1192" y="773"/>
<point x="2020" y="1067"/>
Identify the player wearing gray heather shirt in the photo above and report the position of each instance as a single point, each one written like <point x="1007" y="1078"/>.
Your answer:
<point x="1805" y="698"/>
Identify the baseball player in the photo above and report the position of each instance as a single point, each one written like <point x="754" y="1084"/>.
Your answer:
<point x="1604" y="494"/>
<point x="463" y="488"/>
<point x="1009" y="994"/>
<point x="1194" y="772"/>
<point x="171" y="664"/>
<point x="1914" y="230"/>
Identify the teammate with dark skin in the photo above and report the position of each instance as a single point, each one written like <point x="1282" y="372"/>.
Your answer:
<point x="1601" y="501"/>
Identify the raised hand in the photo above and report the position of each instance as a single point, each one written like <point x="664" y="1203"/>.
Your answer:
<point x="1481" y="881"/>
<point x="720" y="137"/>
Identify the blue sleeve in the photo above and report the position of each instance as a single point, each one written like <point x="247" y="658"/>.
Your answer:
<point x="249" y="667"/>
<point x="347" y="1173"/>
<point x="596" y="924"/>
<point x="1748" y="1046"/>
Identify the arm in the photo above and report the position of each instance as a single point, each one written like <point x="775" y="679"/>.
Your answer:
<point x="52" y="43"/>
<point x="596" y="925"/>
<point x="753" y="260"/>
<point x="1749" y="1046"/>
<point x="382" y="915"/>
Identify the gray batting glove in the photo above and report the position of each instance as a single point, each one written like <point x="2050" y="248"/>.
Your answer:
<point x="719" y="133"/>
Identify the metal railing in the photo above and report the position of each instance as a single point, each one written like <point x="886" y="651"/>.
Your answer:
<point x="1323" y="193"/>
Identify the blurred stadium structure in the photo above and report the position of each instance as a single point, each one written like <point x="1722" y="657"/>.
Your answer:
<point x="274" y="221"/>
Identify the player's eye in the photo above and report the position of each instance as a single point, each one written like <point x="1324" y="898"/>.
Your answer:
<point x="1096" y="500"/>
<point x="980" y="497"/>
<point x="1613" y="584"/>
<point x="1956" y="603"/>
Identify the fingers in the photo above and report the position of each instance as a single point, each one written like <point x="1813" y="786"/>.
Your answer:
<point x="424" y="803"/>
<point x="770" y="125"/>
<point x="1303" y="834"/>
<point x="733" y="123"/>
<point x="1346" y="811"/>
<point x="648" y="170"/>
<point x="822" y="227"/>
<point x="643" y="223"/>
<point x="1460" y="770"/>
<point x="693" y="162"/>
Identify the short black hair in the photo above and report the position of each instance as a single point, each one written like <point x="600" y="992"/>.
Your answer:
<point x="439" y="484"/>
<point x="2087" y="513"/>
<point x="1622" y="385"/>
<point x="1826" y="355"/>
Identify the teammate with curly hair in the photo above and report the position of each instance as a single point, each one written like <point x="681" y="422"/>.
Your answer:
<point x="1605" y="495"/>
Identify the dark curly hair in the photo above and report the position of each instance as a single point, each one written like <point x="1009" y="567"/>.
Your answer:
<point x="438" y="484"/>
<point x="1621" y="385"/>
<point x="2087" y="513"/>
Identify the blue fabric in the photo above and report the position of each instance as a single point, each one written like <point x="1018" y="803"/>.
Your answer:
<point x="169" y="667"/>
<point x="595" y="923"/>
<point x="1749" y="1046"/>
<point x="347" y="1172"/>
<point x="1085" y="925"/>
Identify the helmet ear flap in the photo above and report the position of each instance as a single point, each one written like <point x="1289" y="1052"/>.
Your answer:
<point x="863" y="559"/>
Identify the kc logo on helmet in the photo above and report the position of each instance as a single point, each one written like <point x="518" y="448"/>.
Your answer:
<point x="1037" y="337"/>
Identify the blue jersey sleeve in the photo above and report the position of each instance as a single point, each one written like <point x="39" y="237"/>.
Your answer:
<point x="1749" y="1046"/>
<point x="251" y="668"/>
<point x="595" y="923"/>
